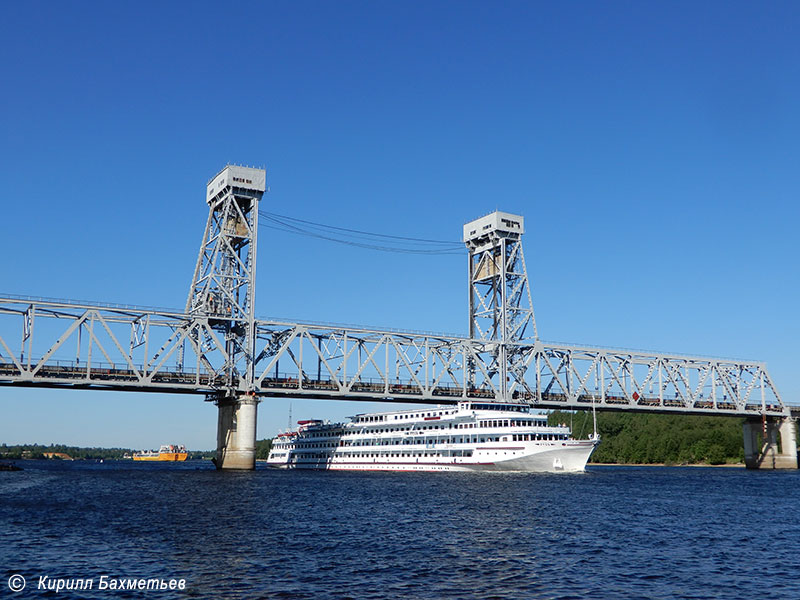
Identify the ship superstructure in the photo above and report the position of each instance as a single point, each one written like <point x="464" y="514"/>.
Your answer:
<point x="472" y="436"/>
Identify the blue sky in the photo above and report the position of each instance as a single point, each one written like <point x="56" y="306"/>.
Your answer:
<point x="652" y="148"/>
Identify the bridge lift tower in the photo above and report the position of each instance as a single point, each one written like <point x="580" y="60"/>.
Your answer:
<point x="223" y="293"/>
<point x="500" y="306"/>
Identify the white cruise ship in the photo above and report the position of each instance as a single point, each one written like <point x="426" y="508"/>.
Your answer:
<point x="470" y="437"/>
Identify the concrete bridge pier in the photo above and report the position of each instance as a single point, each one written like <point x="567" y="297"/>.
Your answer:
<point x="771" y="454"/>
<point x="236" y="432"/>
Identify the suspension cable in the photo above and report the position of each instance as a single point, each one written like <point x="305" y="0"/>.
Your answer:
<point x="362" y="239"/>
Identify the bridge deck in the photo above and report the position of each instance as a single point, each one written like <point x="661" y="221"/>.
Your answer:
<point x="105" y="377"/>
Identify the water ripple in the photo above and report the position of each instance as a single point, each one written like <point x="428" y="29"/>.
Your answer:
<point x="623" y="533"/>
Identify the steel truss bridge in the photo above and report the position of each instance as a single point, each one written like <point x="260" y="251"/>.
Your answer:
<point x="68" y="344"/>
<point x="217" y="347"/>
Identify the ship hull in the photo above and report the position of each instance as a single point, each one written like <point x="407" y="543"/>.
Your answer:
<point x="163" y="457"/>
<point x="568" y="458"/>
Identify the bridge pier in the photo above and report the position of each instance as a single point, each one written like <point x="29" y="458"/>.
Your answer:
<point x="236" y="432"/>
<point x="770" y="455"/>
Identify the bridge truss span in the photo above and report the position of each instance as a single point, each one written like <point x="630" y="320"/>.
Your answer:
<point x="62" y="344"/>
<point x="66" y="344"/>
<point x="320" y="362"/>
<point x="370" y="364"/>
<point x="628" y="379"/>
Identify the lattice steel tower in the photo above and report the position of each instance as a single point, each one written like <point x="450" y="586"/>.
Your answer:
<point x="223" y="291"/>
<point x="500" y="306"/>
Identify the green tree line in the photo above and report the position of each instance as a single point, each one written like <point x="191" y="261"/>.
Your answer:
<point x="641" y="438"/>
<point x="38" y="451"/>
<point x="262" y="449"/>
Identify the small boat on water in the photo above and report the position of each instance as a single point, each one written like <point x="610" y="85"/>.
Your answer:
<point x="474" y="436"/>
<point x="167" y="453"/>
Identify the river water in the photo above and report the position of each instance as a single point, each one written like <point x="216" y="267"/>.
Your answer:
<point x="612" y="532"/>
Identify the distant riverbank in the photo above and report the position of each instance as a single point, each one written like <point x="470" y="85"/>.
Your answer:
<point x="62" y="452"/>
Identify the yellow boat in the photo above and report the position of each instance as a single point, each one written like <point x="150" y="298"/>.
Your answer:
<point x="167" y="453"/>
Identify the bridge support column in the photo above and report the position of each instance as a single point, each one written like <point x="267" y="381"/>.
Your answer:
<point x="770" y="455"/>
<point x="236" y="433"/>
